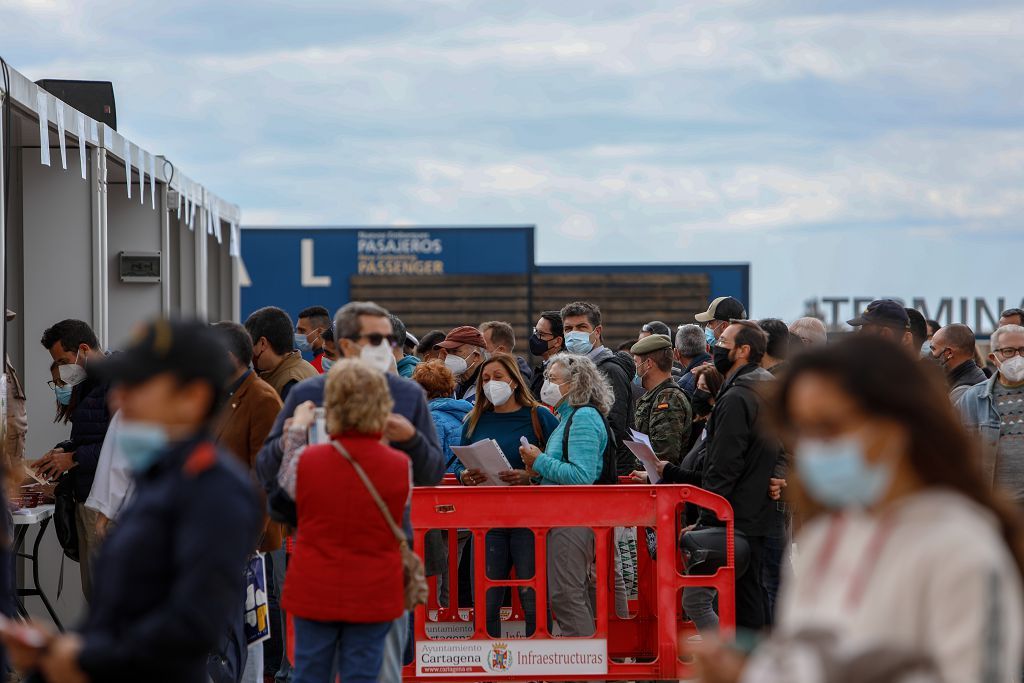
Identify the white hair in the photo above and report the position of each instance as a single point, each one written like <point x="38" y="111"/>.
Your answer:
<point x="587" y="384"/>
<point x="810" y="328"/>
<point x="1005" y="329"/>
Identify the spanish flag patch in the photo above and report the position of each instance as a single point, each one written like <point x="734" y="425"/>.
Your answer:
<point x="662" y="406"/>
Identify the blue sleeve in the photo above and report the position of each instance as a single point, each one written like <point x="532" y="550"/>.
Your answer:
<point x="218" y="527"/>
<point x="423" y="448"/>
<point x="587" y="441"/>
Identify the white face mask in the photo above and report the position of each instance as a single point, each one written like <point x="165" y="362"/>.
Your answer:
<point x="1013" y="369"/>
<point x="378" y="357"/>
<point x="73" y="374"/>
<point x="497" y="392"/>
<point x="456" y="364"/>
<point x="550" y="393"/>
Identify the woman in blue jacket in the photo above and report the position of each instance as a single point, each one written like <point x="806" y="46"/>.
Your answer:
<point x="581" y="395"/>
<point x="506" y="411"/>
<point x="447" y="413"/>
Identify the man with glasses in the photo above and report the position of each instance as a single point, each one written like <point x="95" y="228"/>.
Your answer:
<point x="363" y="330"/>
<point x="546" y="341"/>
<point x="995" y="410"/>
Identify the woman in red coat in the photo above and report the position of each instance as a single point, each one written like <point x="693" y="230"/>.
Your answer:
<point x="345" y="579"/>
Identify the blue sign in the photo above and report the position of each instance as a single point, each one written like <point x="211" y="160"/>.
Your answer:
<point x="294" y="268"/>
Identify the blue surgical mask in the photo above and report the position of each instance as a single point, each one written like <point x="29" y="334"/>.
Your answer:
<point x="141" y="443"/>
<point x="63" y="394"/>
<point x="837" y="474"/>
<point x="638" y="380"/>
<point x="326" y="363"/>
<point x="302" y="344"/>
<point x="709" y="336"/>
<point x="578" y="343"/>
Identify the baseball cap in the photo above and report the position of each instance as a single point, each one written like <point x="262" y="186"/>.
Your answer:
<point x="723" y="308"/>
<point x="188" y="349"/>
<point x="650" y="344"/>
<point x="883" y="312"/>
<point x="462" y="335"/>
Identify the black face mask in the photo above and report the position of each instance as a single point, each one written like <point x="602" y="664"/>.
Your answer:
<point x="538" y="346"/>
<point x="722" y="361"/>
<point x="701" y="402"/>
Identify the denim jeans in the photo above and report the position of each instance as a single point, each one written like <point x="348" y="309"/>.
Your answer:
<point x="253" y="672"/>
<point x="507" y="548"/>
<point x="358" y="650"/>
<point x="395" y="643"/>
<point x="279" y="561"/>
<point x="774" y="561"/>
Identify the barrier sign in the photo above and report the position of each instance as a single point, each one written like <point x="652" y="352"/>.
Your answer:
<point x="469" y="658"/>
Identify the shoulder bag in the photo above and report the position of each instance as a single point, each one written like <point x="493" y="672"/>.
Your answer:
<point x="415" y="576"/>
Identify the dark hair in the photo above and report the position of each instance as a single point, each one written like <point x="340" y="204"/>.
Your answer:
<point x="71" y="334"/>
<point x="711" y="376"/>
<point x="778" y="337"/>
<point x="1010" y="312"/>
<point x="960" y="337"/>
<point x="273" y="324"/>
<point x="657" y="327"/>
<point x="662" y="358"/>
<point x="750" y="334"/>
<point x="501" y="333"/>
<point x="318" y="314"/>
<point x="586" y="308"/>
<point x="554" y="318"/>
<point x="934" y="325"/>
<point x="328" y="334"/>
<point x="437" y="380"/>
<point x="897" y="387"/>
<point x="918" y="327"/>
<point x="429" y="340"/>
<point x="626" y="345"/>
<point x="397" y="328"/>
<point x="237" y="339"/>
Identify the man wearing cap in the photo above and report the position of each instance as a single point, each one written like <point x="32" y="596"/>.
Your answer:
<point x="719" y="313"/>
<point x="363" y="330"/>
<point x="663" y="412"/>
<point x="887" y="319"/>
<point x="169" y="577"/>
<point x="463" y="351"/>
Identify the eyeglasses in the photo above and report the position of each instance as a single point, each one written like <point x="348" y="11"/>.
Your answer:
<point x="375" y="338"/>
<point x="543" y="336"/>
<point x="54" y="385"/>
<point x="1009" y="352"/>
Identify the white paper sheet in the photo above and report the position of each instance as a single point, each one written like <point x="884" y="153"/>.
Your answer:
<point x="128" y="165"/>
<point x="647" y="457"/>
<point x="80" y="132"/>
<point x="60" y="137"/>
<point x="42" y="108"/>
<point x="641" y="437"/>
<point x="152" y="180"/>
<point x="487" y="457"/>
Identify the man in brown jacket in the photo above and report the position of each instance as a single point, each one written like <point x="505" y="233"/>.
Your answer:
<point x="274" y="355"/>
<point x="250" y="410"/>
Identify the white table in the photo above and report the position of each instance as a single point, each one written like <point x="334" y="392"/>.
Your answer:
<point x="23" y="519"/>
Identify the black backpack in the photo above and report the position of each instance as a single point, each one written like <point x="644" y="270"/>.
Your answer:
<point x="64" y="517"/>
<point x="608" y="471"/>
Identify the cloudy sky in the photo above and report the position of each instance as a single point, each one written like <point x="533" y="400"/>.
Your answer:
<point x="842" y="148"/>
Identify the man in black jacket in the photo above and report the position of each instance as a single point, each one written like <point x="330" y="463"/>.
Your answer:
<point x="953" y="347"/>
<point x="545" y="341"/>
<point x="740" y="458"/>
<point x="83" y="402"/>
<point x="581" y="322"/>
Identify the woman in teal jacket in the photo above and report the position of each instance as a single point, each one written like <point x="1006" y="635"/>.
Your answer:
<point x="576" y="389"/>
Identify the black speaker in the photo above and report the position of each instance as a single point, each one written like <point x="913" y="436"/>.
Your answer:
<point x="93" y="98"/>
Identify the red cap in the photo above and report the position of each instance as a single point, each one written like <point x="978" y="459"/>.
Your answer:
<point x="462" y="335"/>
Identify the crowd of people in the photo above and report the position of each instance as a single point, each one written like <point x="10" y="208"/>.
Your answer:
<point x="893" y="456"/>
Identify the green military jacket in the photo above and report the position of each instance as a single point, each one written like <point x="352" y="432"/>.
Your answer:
<point x="664" y="414"/>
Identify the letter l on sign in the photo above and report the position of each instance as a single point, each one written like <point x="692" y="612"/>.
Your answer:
<point x="308" y="278"/>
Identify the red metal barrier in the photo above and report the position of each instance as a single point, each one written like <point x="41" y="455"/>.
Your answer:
<point x="643" y="646"/>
